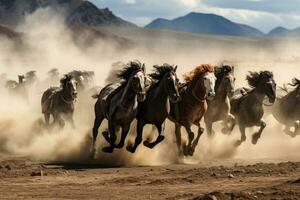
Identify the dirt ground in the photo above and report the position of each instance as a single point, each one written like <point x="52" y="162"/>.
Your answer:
<point x="21" y="178"/>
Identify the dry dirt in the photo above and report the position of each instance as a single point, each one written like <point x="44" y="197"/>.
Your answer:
<point x="21" y="178"/>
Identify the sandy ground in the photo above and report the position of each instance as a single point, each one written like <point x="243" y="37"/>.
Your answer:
<point x="22" y="179"/>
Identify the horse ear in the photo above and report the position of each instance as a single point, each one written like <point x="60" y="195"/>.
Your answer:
<point x="143" y="67"/>
<point x="175" y="69"/>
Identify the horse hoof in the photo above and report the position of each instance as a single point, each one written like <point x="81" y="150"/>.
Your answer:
<point x="255" y="138"/>
<point x="225" y="131"/>
<point x="185" y="150"/>
<point x="119" y="146"/>
<point x="108" y="149"/>
<point x="238" y="143"/>
<point x="147" y="144"/>
<point x="130" y="149"/>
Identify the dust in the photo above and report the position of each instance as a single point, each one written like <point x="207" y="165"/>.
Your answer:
<point x="48" y="43"/>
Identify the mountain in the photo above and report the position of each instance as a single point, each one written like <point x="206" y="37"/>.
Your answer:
<point x="88" y="14"/>
<point x="205" y="23"/>
<point x="283" y="32"/>
<point x="13" y="12"/>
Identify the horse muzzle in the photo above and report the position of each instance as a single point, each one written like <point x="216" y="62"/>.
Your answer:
<point x="210" y="96"/>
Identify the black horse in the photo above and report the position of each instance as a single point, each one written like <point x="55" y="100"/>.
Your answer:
<point x="119" y="104"/>
<point x="155" y="109"/>
<point x="60" y="101"/>
<point x="248" y="108"/>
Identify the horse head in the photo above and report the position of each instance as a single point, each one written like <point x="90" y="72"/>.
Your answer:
<point x="166" y="74"/>
<point x="69" y="85"/>
<point x="296" y="83"/>
<point x="225" y="79"/>
<point x="134" y="75"/>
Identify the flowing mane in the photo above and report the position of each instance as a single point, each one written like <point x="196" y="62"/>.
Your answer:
<point x="198" y="71"/>
<point x="129" y="69"/>
<point x="295" y="83"/>
<point x="220" y="72"/>
<point x="255" y="78"/>
<point x="160" y="71"/>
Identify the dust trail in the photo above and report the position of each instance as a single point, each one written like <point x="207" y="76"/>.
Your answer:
<point x="50" y="44"/>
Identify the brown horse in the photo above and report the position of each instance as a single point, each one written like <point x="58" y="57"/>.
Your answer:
<point x="286" y="109"/>
<point x="199" y="87"/>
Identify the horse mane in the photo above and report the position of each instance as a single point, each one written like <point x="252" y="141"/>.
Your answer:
<point x="65" y="79"/>
<point x="220" y="72"/>
<point x="160" y="71"/>
<point x="295" y="83"/>
<point x="129" y="69"/>
<point x="255" y="78"/>
<point x="197" y="72"/>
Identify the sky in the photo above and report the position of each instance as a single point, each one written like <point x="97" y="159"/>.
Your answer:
<point x="262" y="14"/>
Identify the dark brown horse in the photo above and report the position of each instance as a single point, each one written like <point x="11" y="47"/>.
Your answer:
<point x="119" y="104"/>
<point x="248" y="108"/>
<point x="199" y="87"/>
<point x="286" y="109"/>
<point x="155" y="109"/>
<point x="59" y="102"/>
<point x="219" y="107"/>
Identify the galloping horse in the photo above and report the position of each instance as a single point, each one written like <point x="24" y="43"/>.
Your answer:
<point x="286" y="109"/>
<point x="119" y="104"/>
<point x="19" y="88"/>
<point x="58" y="101"/>
<point x="248" y="108"/>
<point x="199" y="87"/>
<point x="219" y="108"/>
<point x="155" y="109"/>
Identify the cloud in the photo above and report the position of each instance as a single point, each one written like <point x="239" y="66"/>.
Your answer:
<point x="262" y="14"/>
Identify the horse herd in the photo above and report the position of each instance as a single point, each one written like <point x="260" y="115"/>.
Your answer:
<point x="207" y="92"/>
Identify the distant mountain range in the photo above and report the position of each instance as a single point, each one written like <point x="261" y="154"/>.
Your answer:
<point x="205" y="23"/>
<point x="77" y="12"/>
<point x="84" y="13"/>
<point x="215" y="24"/>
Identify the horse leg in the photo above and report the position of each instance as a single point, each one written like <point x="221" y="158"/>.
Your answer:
<point x="243" y="134"/>
<point x="71" y="120"/>
<point x="209" y="129"/>
<point x="158" y="140"/>
<point x="297" y="125"/>
<point x="139" y="137"/>
<point x="125" y="130"/>
<point x="195" y="143"/>
<point x="178" y="138"/>
<point x="188" y="148"/>
<point x="112" y="138"/>
<point x="47" y="119"/>
<point x="257" y="135"/>
<point x="229" y="124"/>
<point x="97" y="122"/>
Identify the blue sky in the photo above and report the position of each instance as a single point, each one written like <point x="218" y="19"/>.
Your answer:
<point x="262" y="14"/>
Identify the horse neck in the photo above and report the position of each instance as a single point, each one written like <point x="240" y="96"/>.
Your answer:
<point x="66" y="95"/>
<point x="259" y="95"/>
<point x="161" y="94"/>
<point x="128" y="97"/>
<point x="197" y="90"/>
<point x="221" y="93"/>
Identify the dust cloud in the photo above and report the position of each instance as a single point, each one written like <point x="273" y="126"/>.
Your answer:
<point x="48" y="43"/>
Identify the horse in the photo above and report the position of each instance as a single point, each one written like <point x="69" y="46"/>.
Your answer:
<point x="118" y="103"/>
<point x="155" y="109"/>
<point x="58" y="101"/>
<point x="219" y="108"/>
<point x="248" y="108"/>
<point x="199" y="87"/>
<point x="286" y="109"/>
<point x="19" y="88"/>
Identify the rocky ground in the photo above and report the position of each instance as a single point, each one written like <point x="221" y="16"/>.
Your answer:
<point x="21" y="178"/>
